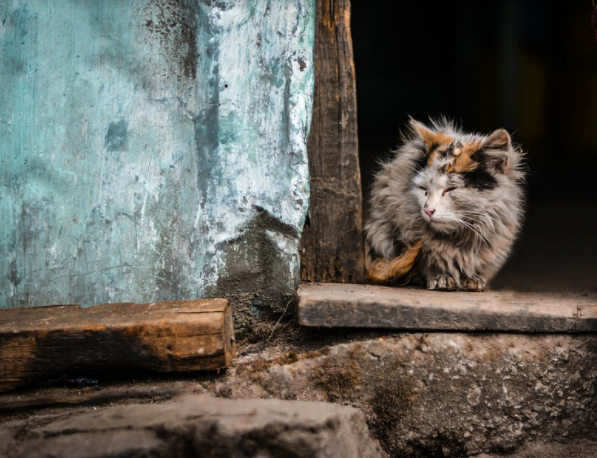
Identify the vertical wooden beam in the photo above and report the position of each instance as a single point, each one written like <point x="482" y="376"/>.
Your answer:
<point x="594" y="19"/>
<point x="332" y="243"/>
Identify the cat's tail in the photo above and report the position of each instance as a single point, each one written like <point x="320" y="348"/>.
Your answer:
<point x="383" y="270"/>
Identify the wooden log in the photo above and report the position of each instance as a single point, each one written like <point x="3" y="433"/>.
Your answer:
<point x="332" y="243"/>
<point x="43" y="342"/>
<point x="368" y="306"/>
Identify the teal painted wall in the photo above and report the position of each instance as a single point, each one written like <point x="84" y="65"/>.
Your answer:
<point x="152" y="150"/>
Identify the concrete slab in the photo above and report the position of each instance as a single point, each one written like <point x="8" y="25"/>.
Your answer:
<point x="370" y="306"/>
<point x="198" y="425"/>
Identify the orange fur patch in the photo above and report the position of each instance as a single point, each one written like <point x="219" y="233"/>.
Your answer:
<point x="463" y="161"/>
<point x="431" y="138"/>
<point x="438" y="140"/>
<point x="384" y="270"/>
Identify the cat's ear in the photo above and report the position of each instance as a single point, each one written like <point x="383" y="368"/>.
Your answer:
<point x="499" y="140"/>
<point x="430" y="137"/>
<point x="499" y="144"/>
<point x="422" y="131"/>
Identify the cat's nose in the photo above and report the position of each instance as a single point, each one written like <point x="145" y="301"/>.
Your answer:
<point x="429" y="212"/>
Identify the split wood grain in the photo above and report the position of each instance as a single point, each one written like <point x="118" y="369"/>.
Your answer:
<point x="332" y="242"/>
<point x="42" y="342"/>
<point x="368" y="306"/>
<point x="36" y="400"/>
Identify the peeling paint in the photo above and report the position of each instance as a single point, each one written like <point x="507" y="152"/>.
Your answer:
<point x="142" y="142"/>
<point x="116" y="136"/>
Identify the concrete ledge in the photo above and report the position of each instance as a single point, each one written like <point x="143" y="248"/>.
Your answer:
<point x="368" y="306"/>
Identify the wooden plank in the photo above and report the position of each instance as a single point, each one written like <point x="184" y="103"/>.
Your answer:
<point x="332" y="243"/>
<point x="42" y="342"/>
<point x="367" y="306"/>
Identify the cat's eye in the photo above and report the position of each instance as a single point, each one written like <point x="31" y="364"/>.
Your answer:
<point x="423" y="189"/>
<point x="448" y="190"/>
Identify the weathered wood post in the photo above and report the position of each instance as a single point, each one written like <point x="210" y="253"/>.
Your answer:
<point x="332" y="244"/>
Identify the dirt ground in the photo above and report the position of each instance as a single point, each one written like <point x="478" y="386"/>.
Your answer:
<point x="270" y="346"/>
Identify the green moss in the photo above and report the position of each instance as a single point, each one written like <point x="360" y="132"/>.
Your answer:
<point x="392" y="401"/>
<point x="394" y="397"/>
<point x="338" y="377"/>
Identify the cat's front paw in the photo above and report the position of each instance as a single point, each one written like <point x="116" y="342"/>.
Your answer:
<point x="441" y="282"/>
<point x="477" y="284"/>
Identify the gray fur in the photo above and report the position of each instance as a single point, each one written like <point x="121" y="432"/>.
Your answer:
<point x="470" y="235"/>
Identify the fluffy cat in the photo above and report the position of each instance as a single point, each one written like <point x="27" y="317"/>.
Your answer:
<point x="447" y="209"/>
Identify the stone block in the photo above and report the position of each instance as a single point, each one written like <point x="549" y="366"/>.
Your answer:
<point x="201" y="425"/>
<point x="443" y="394"/>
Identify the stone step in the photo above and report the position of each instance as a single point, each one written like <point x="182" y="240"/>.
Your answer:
<point x="422" y="394"/>
<point x="370" y="306"/>
<point x="198" y="425"/>
<point x="441" y="394"/>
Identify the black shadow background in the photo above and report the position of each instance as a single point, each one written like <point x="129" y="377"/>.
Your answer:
<point x="529" y="66"/>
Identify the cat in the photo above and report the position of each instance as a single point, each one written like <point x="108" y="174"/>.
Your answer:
<point x="446" y="210"/>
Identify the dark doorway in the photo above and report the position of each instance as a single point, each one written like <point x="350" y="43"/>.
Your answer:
<point x="527" y="65"/>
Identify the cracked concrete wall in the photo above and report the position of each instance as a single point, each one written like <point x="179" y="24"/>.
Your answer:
<point x="152" y="150"/>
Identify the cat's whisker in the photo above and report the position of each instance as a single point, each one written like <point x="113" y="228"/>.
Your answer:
<point x="472" y="229"/>
<point x="481" y="221"/>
